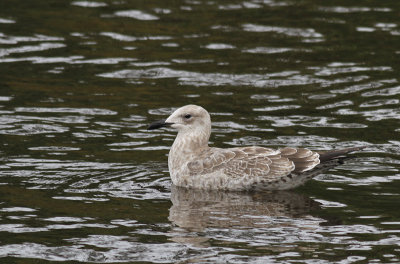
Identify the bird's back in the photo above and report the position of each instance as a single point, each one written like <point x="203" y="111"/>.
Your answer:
<point x="246" y="168"/>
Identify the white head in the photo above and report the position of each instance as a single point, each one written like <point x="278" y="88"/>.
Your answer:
<point x="190" y="118"/>
<point x="192" y="122"/>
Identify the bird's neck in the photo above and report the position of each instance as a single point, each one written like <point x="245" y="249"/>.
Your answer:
<point x="185" y="147"/>
<point x="190" y="143"/>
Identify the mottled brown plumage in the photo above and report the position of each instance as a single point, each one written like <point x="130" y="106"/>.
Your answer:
<point x="192" y="163"/>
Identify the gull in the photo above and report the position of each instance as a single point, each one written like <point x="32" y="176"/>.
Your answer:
<point x="194" y="164"/>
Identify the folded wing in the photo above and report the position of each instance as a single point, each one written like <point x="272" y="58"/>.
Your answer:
<point x="267" y="164"/>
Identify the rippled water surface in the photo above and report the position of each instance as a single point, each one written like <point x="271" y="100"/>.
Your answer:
<point x="81" y="179"/>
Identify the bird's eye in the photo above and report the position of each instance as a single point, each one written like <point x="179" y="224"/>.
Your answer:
<point x="187" y="116"/>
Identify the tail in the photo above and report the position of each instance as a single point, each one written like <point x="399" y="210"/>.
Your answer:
<point x="335" y="154"/>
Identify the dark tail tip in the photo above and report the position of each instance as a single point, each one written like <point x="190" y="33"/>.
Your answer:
<point x="334" y="154"/>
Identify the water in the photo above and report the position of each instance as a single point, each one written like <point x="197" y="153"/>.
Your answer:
<point x="81" y="179"/>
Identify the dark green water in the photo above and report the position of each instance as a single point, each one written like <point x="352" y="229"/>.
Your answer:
<point x="81" y="179"/>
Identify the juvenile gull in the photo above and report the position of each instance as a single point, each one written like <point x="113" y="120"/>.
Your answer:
<point x="192" y="163"/>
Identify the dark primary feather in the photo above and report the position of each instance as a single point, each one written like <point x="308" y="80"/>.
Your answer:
<point x="334" y="154"/>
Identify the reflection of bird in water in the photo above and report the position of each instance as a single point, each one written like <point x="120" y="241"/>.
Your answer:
<point x="192" y="163"/>
<point x="199" y="209"/>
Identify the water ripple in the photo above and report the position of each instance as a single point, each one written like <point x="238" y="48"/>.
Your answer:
<point x="216" y="79"/>
<point x="308" y="34"/>
<point x="83" y="111"/>
<point x="383" y="92"/>
<point x="42" y="60"/>
<point x="308" y="121"/>
<point x="276" y="108"/>
<point x="356" y="9"/>
<point x="136" y="14"/>
<point x="268" y="50"/>
<point x="32" y="129"/>
<point x="88" y="4"/>
<point x="373" y="115"/>
<point x="340" y="68"/>
<point x="25" y="49"/>
<point x="4" y="39"/>
<point x="6" y="21"/>
<point x="5" y="98"/>
<point x="219" y="46"/>
<point x="54" y="148"/>
<point x="380" y="102"/>
<point x="271" y="98"/>
<point x="336" y="104"/>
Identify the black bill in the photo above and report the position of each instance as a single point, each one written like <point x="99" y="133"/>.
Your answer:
<point x="158" y="124"/>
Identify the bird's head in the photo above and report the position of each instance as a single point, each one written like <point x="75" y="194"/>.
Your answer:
<point x="189" y="119"/>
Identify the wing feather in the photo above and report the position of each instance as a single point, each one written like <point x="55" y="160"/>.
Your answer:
<point x="267" y="164"/>
<point x="303" y="159"/>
